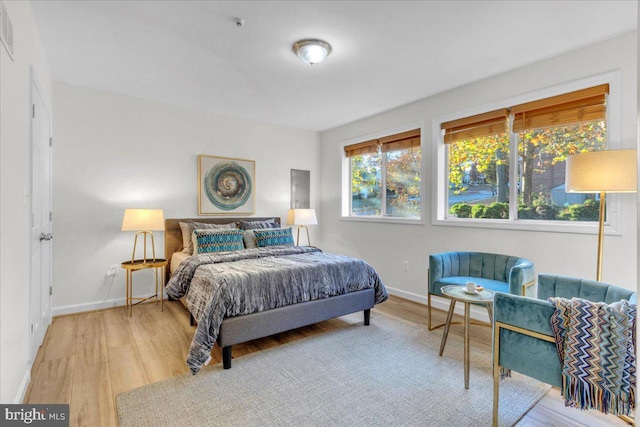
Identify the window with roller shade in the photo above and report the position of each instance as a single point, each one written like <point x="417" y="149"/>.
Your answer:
<point x="385" y="176"/>
<point x="509" y="164"/>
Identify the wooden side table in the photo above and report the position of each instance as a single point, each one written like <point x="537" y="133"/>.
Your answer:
<point x="141" y="264"/>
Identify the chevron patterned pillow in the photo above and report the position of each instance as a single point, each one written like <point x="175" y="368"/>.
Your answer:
<point x="274" y="237"/>
<point x="206" y="241"/>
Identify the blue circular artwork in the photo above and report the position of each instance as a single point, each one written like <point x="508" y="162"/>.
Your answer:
<point x="227" y="185"/>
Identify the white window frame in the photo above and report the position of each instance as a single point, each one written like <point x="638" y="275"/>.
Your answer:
<point x="439" y="152"/>
<point x="346" y="178"/>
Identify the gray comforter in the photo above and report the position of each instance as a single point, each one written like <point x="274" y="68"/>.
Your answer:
<point x="228" y="284"/>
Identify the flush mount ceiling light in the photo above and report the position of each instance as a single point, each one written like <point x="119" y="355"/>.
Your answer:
<point x="312" y="51"/>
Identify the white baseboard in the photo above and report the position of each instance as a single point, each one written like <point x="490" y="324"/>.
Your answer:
<point x="89" y="306"/>
<point x="422" y="299"/>
<point x="477" y="313"/>
<point x="441" y="303"/>
<point x="22" y="390"/>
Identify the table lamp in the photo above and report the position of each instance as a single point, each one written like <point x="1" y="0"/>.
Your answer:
<point x="302" y="218"/>
<point x="143" y="221"/>
<point x="608" y="171"/>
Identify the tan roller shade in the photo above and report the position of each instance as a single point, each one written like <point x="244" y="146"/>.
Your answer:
<point x="366" y="147"/>
<point x="472" y="127"/>
<point x="586" y="105"/>
<point x="398" y="141"/>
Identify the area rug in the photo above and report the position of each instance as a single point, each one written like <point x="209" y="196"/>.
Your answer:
<point x="385" y="374"/>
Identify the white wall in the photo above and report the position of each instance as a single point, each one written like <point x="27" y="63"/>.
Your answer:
<point x="386" y="245"/>
<point x="113" y="152"/>
<point x="15" y="143"/>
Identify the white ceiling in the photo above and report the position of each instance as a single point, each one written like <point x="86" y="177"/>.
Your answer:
<point x="385" y="53"/>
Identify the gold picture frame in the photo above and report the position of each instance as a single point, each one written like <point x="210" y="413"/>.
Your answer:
<point x="226" y="185"/>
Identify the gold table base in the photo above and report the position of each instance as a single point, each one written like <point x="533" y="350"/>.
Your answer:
<point x="159" y="265"/>
<point x="455" y="293"/>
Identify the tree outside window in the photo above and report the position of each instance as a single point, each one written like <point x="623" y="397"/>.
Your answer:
<point x="528" y="143"/>
<point x="479" y="174"/>
<point x="403" y="182"/>
<point x="366" y="185"/>
<point x="385" y="176"/>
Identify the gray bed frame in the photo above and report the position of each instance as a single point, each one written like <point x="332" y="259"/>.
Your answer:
<point x="239" y="329"/>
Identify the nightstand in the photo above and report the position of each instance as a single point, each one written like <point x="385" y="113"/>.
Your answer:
<point x="159" y="264"/>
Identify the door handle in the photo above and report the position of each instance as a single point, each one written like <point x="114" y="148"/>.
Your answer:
<point x="46" y="236"/>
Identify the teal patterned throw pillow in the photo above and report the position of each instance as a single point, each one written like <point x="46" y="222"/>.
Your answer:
<point x="206" y="241"/>
<point x="274" y="237"/>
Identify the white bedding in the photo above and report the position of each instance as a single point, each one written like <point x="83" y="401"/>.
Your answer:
<point x="176" y="259"/>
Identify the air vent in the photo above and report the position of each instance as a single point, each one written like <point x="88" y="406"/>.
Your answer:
<point x="6" y="30"/>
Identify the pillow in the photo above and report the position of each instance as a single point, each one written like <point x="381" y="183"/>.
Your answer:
<point x="258" y="225"/>
<point x="274" y="237"/>
<point x="249" y="238"/>
<point x="207" y="241"/>
<point x="187" y="231"/>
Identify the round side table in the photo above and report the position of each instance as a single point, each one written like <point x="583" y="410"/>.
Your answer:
<point x="459" y="293"/>
<point x="141" y="264"/>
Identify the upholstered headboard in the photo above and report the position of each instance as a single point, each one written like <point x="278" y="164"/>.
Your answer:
<point x="173" y="234"/>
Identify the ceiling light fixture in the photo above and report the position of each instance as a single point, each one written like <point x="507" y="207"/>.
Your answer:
<point x="312" y="51"/>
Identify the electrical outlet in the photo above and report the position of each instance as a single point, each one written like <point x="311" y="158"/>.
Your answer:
<point x="405" y="265"/>
<point x="112" y="270"/>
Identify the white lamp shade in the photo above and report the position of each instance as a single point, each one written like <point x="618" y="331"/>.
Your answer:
<point x="611" y="171"/>
<point x="143" y="220"/>
<point x="302" y="217"/>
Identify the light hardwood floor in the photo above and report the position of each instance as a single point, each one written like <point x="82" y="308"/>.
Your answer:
<point x="89" y="358"/>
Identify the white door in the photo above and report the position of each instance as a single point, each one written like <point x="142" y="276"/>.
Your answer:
<point x="41" y="231"/>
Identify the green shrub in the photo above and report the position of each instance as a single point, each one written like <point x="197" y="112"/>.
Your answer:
<point x="461" y="210"/>
<point x="496" y="210"/>
<point x="546" y="212"/>
<point x="477" y="211"/>
<point x="526" y="212"/>
<point x="587" y="211"/>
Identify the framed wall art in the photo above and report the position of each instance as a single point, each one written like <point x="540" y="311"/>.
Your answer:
<point x="226" y="185"/>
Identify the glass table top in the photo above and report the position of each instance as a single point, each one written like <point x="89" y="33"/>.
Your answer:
<point x="460" y="293"/>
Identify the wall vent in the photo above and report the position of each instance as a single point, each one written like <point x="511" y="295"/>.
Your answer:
<point x="6" y="30"/>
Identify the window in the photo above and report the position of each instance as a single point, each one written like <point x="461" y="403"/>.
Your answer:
<point x="509" y="164"/>
<point x="385" y="177"/>
<point x="478" y="163"/>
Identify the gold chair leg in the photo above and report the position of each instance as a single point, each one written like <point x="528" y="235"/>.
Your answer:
<point x="496" y="373"/>
<point x="428" y="310"/>
<point x="467" y="319"/>
<point x="428" y="302"/>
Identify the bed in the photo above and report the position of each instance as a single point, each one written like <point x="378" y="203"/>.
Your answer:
<point x="238" y="296"/>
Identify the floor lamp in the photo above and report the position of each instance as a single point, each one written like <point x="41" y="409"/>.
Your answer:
<point x="143" y="221"/>
<point x="302" y="218"/>
<point x="608" y="171"/>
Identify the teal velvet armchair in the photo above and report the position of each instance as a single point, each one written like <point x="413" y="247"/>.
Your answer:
<point x="500" y="273"/>
<point x="523" y="338"/>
